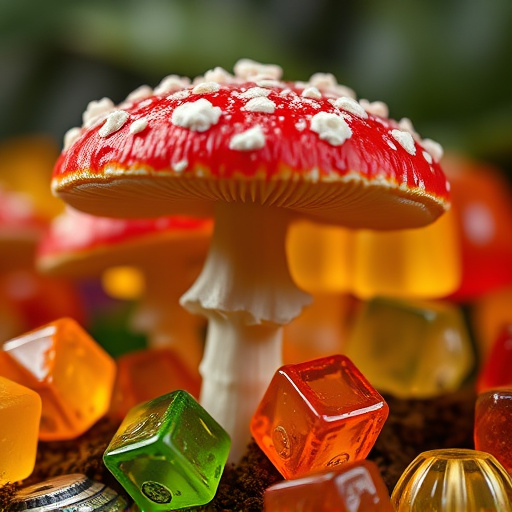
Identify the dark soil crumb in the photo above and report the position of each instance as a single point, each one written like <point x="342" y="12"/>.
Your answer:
<point x="416" y="426"/>
<point x="413" y="426"/>
<point x="6" y="493"/>
<point x="242" y="486"/>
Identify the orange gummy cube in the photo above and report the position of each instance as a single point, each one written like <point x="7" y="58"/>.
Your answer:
<point x="20" y="412"/>
<point x="146" y="374"/>
<point x="353" y="487"/>
<point x="317" y="415"/>
<point x="71" y="372"/>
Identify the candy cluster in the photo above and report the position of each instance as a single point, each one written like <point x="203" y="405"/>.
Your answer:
<point x="314" y="235"/>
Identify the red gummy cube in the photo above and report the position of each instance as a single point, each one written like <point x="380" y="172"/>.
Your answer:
<point x="482" y="203"/>
<point x="353" y="487"/>
<point x="496" y="370"/>
<point x="317" y="415"/>
<point x="493" y="417"/>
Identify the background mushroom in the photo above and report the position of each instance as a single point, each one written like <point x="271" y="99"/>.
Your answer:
<point x="253" y="152"/>
<point x="168" y="250"/>
<point x="20" y="229"/>
<point x="27" y="299"/>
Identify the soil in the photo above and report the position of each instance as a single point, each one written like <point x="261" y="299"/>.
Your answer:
<point x="413" y="426"/>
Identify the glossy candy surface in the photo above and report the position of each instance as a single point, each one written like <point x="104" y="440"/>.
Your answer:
<point x="493" y="420"/>
<point x="353" y="487"/>
<point x="453" y="480"/>
<point x="482" y="204"/>
<point x="411" y="348"/>
<point x="496" y="371"/>
<point x="72" y="373"/>
<point x="69" y="493"/>
<point x="489" y="314"/>
<point x="20" y="412"/>
<point x="146" y="374"/>
<point x="419" y="263"/>
<point x="317" y="415"/>
<point x="320" y="256"/>
<point x="168" y="453"/>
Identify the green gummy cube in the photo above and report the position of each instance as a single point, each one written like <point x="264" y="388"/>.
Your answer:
<point x="168" y="453"/>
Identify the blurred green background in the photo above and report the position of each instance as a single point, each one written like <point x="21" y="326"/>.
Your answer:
<point x="446" y="64"/>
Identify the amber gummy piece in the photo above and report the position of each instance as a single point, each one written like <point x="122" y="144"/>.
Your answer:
<point x="20" y="412"/>
<point x="71" y="372"/>
<point x="353" y="487"/>
<point x="320" y="257"/>
<point x="317" y="415"/>
<point x="453" y="480"/>
<point x="419" y="263"/>
<point x="409" y="263"/>
<point x="493" y="417"/>
<point x="411" y="348"/>
<point x="146" y="374"/>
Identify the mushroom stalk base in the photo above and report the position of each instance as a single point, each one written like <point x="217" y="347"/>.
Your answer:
<point x="238" y="364"/>
<point x="246" y="292"/>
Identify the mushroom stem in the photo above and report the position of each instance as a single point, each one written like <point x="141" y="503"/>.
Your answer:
<point x="246" y="292"/>
<point x="237" y="367"/>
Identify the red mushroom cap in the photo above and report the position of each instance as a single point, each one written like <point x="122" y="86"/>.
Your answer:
<point x="20" y="229"/>
<point x="78" y="244"/>
<point x="300" y="146"/>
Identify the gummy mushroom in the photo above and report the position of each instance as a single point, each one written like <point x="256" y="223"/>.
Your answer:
<point x="254" y="152"/>
<point x="168" y="250"/>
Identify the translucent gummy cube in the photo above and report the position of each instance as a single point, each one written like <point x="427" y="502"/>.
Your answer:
<point x="168" y="453"/>
<point x="411" y="348"/>
<point x="71" y="372"/>
<point x="353" y="487"/>
<point x="317" y="415"/>
<point x="20" y="412"/>
<point x="493" y="418"/>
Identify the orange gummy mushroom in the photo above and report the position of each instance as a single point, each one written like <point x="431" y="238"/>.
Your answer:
<point x="253" y="152"/>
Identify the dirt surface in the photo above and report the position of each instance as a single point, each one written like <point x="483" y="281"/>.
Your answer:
<point x="413" y="426"/>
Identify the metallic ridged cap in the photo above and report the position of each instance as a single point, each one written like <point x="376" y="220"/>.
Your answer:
<point x="69" y="493"/>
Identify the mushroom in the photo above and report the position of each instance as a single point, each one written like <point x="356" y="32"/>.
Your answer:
<point x="20" y="229"/>
<point x="169" y="251"/>
<point x="253" y="152"/>
<point x="27" y="299"/>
